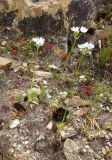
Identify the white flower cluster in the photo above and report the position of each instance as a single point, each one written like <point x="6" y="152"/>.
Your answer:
<point x="39" y="41"/>
<point x="86" y="45"/>
<point x="79" y="29"/>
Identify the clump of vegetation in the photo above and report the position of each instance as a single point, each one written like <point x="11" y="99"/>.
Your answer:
<point x="106" y="51"/>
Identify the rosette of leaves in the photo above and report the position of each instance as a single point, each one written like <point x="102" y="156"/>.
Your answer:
<point x="35" y="94"/>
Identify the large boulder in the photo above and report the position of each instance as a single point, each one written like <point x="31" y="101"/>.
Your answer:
<point x="49" y="16"/>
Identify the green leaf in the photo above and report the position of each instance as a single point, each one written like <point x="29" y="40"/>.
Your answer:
<point x="61" y="127"/>
<point x="109" y="127"/>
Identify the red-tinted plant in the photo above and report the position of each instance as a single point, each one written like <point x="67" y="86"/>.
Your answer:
<point x="13" y="52"/>
<point x="49" y="46"/>
<point x="87" y="90"/>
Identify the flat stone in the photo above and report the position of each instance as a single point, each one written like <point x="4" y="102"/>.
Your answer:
<point x="71" y="149"/>
<point x="43" y="74"/>
<point x="104" y="151"/>
<point x="5" y="63"/>
<point x="77" y="102"/>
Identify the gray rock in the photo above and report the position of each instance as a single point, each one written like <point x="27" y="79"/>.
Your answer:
<point x="71" y="149"/>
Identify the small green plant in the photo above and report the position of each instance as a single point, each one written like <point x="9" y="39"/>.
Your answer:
<point x="106" y="52"/>
<point x="20" y="99"/>
<point x="42" y="95"/>
<point x="101" y="87"/>
<point x="39" y="42"/>
<point x="61" y="127"/>
<point x="33" y="94"/>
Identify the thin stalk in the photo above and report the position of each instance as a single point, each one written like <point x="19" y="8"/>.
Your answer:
<point x="37" y="47"/>
<point x="80" y="62"/>
<point x="69" y="54"/>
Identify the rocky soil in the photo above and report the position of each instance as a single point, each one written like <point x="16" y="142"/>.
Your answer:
<point x="52" y="108"/>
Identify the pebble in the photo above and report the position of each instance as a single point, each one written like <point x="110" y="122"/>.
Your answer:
<point x="3" y="43"/>
<point x="97" y="156"/>
<point x="26" y="142"/>
<point x="104" y="151"/>
<point x="14" y="145"/>
<point x="107" y="137"/>
<point x="53" y="66"/>
<point x="14" y="123"/>
<point x="50" y="125"/>
<point x="11" y="150"/>
<point x="45" y="82"/>
<point x="49" y="96"/>
<point x="107" y="108"/>
<point x="109" y="144"/>
<point x="19" y="148"/>
<point x="87" y="147"/>
<point x="84" y="150"/>
<point x="28" y="152"/>
<point x="90" y="151"/>
<point x="63" y="94"/>
<point x="67" y="101"/>
<point x="110" y="135"/>
<point x="107" y="148"/>
<point x="24" y="64"/>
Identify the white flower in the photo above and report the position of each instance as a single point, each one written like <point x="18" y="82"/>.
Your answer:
<point x="83" y="29"/>
<point x="86" y="45"/>
<point x="38" y="40"/>
<point x="90" y="46"/>
<point x="75" y="29"/>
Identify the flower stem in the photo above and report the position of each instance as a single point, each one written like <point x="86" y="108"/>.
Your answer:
<point x="80" y="62"/>
<point x="37" y="47"/>
<point x="69" y="54"/>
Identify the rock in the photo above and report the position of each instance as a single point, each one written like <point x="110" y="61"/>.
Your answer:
<point x="26" y="142"/>
<point x="107" y="148"/>
<point x="109" y="144"/>
<point x="66" y="12"/>
<point x="71" y="149"/>
<point x="53" y="67"/>
<point x="87" y="147"/>
<point x="104" y="151"/>
<point x="68" y="132"/>
<point x="3" y="43"/>
<point x="5" y="63"/>
<point x="67" y="101"/>
<point x="43" y="74"/>
<point x="50" y="125"/>
<point x="14" y="123"/>
<point x="77" y="102"/>
<point x="63" y="94"/>
<point x="105" y="120"/>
